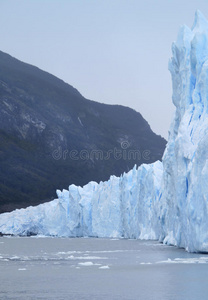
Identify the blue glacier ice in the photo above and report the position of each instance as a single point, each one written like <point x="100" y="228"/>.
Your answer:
<point x="185" y="162"/>
<point x="123" y="206"/>
<point x="167" y="200"/>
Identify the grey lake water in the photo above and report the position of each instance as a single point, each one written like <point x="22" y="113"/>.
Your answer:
<point x="90" y="268"/>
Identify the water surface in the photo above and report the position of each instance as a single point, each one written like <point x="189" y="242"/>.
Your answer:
<point x="90" y="268"/>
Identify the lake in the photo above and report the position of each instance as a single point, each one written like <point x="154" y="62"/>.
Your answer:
<point x="91" y="268"/>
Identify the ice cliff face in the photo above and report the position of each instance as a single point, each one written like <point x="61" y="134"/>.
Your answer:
<point x="121" y="207"/>
<point x="166" y="201"/>
<point x="185" y="180"/>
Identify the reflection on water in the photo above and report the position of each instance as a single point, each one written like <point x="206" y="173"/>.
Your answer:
<point x="89" y="268"/>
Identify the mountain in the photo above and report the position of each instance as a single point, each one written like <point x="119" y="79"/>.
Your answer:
<point x="165" y="200"/>
<point x="51" y="136"/>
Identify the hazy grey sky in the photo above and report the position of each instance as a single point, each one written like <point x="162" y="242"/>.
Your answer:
<point x="112" y="51"/>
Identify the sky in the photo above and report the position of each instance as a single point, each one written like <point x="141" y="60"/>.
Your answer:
<point x="112" y="51"/>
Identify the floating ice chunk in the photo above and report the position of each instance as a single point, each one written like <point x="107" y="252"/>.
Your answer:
<point x="87" y="263"/>
<point x="104" y="267"/>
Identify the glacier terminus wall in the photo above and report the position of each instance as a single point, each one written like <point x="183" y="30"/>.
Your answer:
<point x="123" y="206"/>
<point x="185" y="161"/>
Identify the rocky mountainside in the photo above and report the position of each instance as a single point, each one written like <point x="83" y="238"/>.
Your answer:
<point x="51" y="136"/>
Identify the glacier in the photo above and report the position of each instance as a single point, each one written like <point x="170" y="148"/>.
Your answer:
<point x="185" y="161"/>
<point x="123" y="206"/>
<point x="166" y="201"/>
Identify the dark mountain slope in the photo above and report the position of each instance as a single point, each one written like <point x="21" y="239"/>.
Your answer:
<point x="51" y="136"/>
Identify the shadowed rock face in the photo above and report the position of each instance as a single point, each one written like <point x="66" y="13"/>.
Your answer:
<point x="51" y="136"/>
